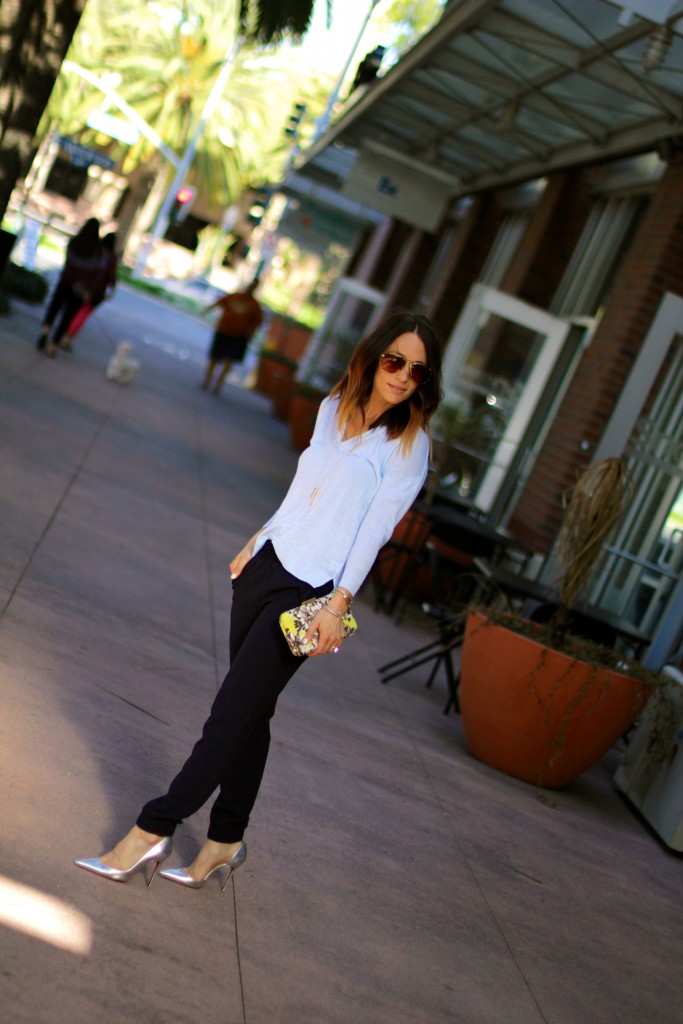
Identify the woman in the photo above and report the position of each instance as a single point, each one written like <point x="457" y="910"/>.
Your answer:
<point x="83" y="269"/>
<point x="366" y="463"/>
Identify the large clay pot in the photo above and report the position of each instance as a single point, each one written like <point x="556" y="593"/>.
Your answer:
<point x="536" y="713"/>
<point x="288" y="336"/>
<point x="274" y="378"/>
<point x="304" y="403"/>
<point x="396" y="568"/>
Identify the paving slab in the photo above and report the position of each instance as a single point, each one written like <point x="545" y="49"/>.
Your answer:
<point x="391" y="877"/>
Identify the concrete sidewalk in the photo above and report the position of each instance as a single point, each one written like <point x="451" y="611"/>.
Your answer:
<point x="391" y="878"/>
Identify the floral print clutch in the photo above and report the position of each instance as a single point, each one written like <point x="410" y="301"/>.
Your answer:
<point x="294" y="624"/>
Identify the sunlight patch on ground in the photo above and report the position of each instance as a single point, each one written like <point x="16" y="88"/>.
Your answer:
<point x="44" y="917"/>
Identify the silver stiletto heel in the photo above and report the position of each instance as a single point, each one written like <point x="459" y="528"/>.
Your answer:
<point x="156" y="853"/>
<point x="181" y="876"/>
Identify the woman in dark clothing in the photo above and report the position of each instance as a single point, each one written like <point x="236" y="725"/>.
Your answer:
<point x="82" y="272"/>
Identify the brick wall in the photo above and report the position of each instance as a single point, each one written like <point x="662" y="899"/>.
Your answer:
<point x="398" y="236"/>
<point x="653" y="264"/>
<point x="409" y="292"/>
<point x="482" y="231"/>
<point x="551" y="237"/>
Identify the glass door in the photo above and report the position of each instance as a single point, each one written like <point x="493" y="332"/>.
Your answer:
<point x="640" y="576"/>
<point x="645" y="560"/>
<point x="499" y="360"/>
<point x="352" y="311"/>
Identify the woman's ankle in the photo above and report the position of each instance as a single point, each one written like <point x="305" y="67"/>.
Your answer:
<point x="148" y="837"/>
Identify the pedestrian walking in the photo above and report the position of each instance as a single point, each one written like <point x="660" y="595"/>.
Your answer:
<point x="365" y="465"/>
<point x="103" y="288"/>
<point x="82" y="272"/>
<point x="241" y="315"/>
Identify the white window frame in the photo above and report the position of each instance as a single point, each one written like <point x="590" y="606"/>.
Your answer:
<point x="484" y="299"/>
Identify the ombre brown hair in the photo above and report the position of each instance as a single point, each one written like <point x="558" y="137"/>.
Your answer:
<point x="407" y="418"/>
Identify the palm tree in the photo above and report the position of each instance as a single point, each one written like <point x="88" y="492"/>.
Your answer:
<point x="269" y="21"/>
<point x="34" y="38"/>
<point x="164" y="61"/>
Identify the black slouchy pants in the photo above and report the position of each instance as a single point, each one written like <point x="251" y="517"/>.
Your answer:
<point x="231" y="754"/>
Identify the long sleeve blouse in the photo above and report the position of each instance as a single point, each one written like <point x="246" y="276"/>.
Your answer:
<point x="344" y="502"/>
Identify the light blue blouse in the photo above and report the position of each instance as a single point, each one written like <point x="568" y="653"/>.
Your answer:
<point x="344" y="502"/>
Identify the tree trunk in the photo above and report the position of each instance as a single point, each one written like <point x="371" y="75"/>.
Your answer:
<point x="140" y="181"/>
<point x="34" y="38"/>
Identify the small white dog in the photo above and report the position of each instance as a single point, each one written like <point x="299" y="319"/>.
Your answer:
<point x="121" y="368"/>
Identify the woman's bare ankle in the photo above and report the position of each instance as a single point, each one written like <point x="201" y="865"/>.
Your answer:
<point x="211" y="856"/>
<point x="129" y="849"/>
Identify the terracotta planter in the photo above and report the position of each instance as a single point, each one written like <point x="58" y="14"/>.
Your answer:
<point x="289" y="336"/>
<point x="274" y="378"/>
<point x="303" y="410"/>
<point x="536" y="713"/>
<point x="395" y="567"/>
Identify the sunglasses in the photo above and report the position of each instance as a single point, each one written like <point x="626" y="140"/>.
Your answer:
<point x="392" y="362"/>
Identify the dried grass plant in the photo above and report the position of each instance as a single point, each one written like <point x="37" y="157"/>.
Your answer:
<point x="595" y="507"/>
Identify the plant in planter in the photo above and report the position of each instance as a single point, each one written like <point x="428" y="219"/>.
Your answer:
<point x="25" y="284"/>
<point x="536" y="701"/>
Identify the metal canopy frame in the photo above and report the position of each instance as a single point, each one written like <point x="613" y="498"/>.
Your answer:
<point x="502" y="91"/>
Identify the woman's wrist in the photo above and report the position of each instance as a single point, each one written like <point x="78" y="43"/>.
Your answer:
<point x="346" y="594"/>
<point x="337" y="604"/>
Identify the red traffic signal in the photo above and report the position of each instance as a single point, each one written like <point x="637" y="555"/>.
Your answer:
<point x="182" y="202"/>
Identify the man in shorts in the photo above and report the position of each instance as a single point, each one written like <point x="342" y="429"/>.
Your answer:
<point x="240" y="316"/>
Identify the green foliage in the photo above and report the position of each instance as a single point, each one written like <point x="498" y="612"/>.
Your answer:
<point x="266" y="21"/>
<point x="404" y="23"/>
<point x="163" y="59"/>
<point x="190" y="305"/>
<point x="25" y="284"/>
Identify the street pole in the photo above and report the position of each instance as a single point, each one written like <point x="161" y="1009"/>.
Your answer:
<point x="323" y="121"/>
<point x="321" y="124"/>
<point x="163" y="215"/>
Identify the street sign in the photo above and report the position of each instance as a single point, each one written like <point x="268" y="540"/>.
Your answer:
<point x="114" y="127"/>
<point x="315" y="227"/>
<point x="81" y="156"/>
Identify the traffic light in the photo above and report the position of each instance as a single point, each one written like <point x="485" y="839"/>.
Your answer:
<point x="259" y="204"/>
<point x="294" y="120"/>
<point x="182" y="203"/>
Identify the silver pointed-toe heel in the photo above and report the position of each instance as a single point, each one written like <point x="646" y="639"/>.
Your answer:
<point x="181" y="876"/>
<point x="157" y="853"/>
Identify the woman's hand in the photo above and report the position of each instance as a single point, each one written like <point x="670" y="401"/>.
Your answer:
<point x="329" y="628"/>
<point x="240" y="560"/>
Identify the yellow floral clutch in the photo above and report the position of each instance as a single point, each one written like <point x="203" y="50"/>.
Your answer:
<point x="294" y="624"/>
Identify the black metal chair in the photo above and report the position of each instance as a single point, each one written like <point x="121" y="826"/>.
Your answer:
<point x="439" y="652"/>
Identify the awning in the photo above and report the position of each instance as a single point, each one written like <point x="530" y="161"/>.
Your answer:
<point x="503" y="91"/>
